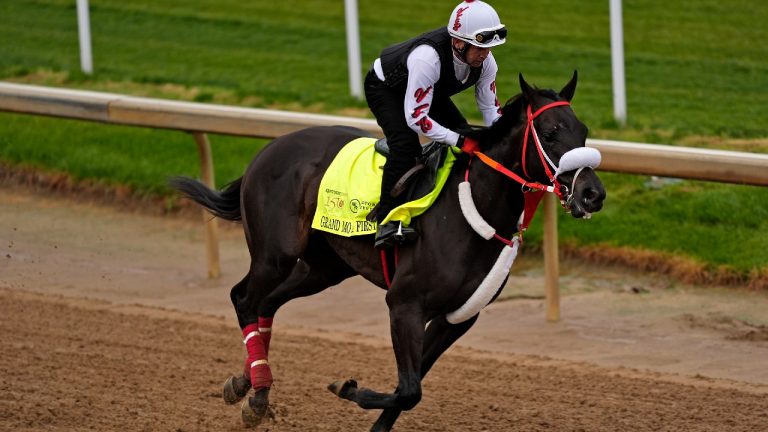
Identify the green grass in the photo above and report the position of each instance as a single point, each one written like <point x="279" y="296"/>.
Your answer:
<point x="140" y="158"/>
<point x="693" y="67"/>
<point x="697" y="73"/>
<point x="713" y="224"/>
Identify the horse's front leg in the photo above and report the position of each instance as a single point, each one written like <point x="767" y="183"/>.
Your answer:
<point x="440" y="336"/>
<point x="407" y="327"/>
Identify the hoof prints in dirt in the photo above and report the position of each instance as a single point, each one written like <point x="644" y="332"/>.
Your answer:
<point x="117" y="371"/>
<point x="732" y="329"/>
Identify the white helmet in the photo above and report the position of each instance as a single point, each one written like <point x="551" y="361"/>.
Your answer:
<point x="476" y="22"/>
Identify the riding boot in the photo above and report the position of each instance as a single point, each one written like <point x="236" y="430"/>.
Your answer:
<point x="394" y="231"/>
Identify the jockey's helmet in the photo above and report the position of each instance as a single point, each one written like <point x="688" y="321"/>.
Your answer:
<point x="477" y="23"/>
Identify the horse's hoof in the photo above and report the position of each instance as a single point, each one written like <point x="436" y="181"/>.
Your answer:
<point x="235" y="388"/>
<point x="343" y="389"/>
<point x="255" y="408"/>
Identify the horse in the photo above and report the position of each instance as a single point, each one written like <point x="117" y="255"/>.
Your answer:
<point x="276" y="198"/>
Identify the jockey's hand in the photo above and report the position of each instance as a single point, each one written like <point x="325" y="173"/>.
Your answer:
<point x="468" y="145"/>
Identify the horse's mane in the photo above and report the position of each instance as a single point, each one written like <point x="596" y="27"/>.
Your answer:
<point x="511" y="113"/>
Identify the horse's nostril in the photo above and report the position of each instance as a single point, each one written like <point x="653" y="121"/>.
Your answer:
<point x="592" y="198"/>
<point x="590" y="195"/>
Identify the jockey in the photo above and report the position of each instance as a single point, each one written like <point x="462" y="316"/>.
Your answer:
<point x="409" y="89"/>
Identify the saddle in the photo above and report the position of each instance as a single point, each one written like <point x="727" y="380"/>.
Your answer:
<point x="421" y="178"/>
<point x="347" y="197"/>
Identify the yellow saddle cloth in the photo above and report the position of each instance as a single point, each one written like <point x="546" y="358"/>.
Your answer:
<point x="350" y="189"/>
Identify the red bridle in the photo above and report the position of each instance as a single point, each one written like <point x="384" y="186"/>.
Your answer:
<point x="545" y="161"/>
<point x="535" y="190"/>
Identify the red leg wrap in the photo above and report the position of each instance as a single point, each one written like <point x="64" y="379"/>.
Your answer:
<point x="265" y="329"/>
<point x="256" y="365"/>
<point x="261" y="377"/>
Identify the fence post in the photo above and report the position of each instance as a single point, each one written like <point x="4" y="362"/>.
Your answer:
<point x="551" y="264"/>
<point x="84" y="35"/>
<point x="617" y="63"/>
<point x="211" y="223"/>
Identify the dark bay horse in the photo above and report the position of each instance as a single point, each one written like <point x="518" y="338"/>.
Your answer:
<point x="276" y="199"/>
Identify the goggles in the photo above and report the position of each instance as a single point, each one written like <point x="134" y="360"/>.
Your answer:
<point x="486" y="36"/>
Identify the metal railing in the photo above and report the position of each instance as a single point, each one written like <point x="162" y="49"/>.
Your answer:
<point x="199" y="119"/>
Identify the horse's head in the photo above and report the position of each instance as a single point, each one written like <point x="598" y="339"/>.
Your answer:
<point x="539" y="138"/>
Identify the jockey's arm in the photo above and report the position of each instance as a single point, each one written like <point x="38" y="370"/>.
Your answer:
<point x="485" y="92"/>
<point x="423" y="72"/>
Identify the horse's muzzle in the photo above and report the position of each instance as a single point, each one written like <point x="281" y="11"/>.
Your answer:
<point x="587" y="195"/>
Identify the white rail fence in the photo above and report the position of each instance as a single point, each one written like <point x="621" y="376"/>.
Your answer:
<point x="200" y="119"/>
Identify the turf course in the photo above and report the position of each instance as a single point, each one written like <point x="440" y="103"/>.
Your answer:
<point x="697" y="75"/>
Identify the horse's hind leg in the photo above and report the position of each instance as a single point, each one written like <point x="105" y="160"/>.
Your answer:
<point x="236" y="387"/>
<point x="246" y="296"/>
<point x="439" y="337"/>
<point x="319" y="269"/>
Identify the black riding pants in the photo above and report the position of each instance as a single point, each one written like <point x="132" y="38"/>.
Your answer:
<point x="404" y="148"/>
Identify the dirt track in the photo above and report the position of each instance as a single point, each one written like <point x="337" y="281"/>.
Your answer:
<point x="107" y="324"/>
<point x="78" y="364"/>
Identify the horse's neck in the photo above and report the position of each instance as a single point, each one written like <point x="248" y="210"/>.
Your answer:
<point x="498" y="199"/>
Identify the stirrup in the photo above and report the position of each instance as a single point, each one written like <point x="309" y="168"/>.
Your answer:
<point x="405" y="234"/>
<point x="394" y="232"/>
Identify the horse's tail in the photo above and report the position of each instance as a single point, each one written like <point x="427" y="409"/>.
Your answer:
<point x="224" y="204"/>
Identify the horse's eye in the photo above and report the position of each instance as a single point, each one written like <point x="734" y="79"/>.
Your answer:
<point x="550" y="135"/>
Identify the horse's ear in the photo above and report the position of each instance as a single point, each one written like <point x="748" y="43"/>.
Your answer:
<point x="570" y="88"/>
<point x="526" y="89"/>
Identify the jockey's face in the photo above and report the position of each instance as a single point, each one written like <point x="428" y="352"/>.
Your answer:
<point x="473" y="56"/>
<point x="476" y="55"/>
